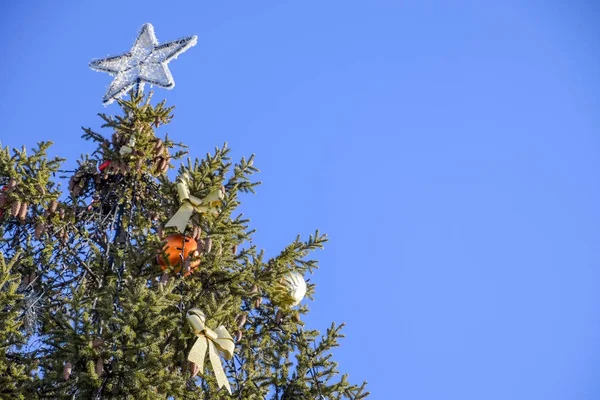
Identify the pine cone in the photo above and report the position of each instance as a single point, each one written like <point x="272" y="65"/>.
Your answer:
<point x="64" y="237"/>
<point x="15" y="208"/>
<point x="257" y="302"/>
<point x="53" y="205"/>
<point x="165" y="165"/>
<point x="196" y="233"/>
<point x="161" y="164"/>
<point x="40" y="189"/>
<point x="67" y="371"/>
<point x="187" y="268"/>
<point x="12" y="183"/>
<point x="100" y="367"/>
<point x="238" y="336"/>
<point x="207" y="245"/>
<point x="97" y="343"/>
<point x="23" y="211"/>
<point x="194" y="369"/>
<point x="159" y="148"/>
<point x="3" y="200"/>
<point x="40" y="227"/>
<point x="164" y="278"/>
<point x="254" y="289"/>
<point x="278" y="317"/>
<point x="234" y="249"/>
<point x="240" y="320"/>
<point x="156" y="162"/>
<point x="72" y="183"/>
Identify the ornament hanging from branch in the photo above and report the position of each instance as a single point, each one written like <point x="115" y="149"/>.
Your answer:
<point x="290" y="290"/>
<point x="211" y="341"/>
<point x="145" y="62"/>
<point x="178" y="249"/>
<point x="190" y="203"/>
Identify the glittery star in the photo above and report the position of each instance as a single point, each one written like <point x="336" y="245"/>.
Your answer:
<point x="145" y="62"/>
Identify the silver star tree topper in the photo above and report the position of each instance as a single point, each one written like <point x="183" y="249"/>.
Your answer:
<point x="145" y="62"/>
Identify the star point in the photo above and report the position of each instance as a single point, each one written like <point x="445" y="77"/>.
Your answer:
<point x="146" y="62"/>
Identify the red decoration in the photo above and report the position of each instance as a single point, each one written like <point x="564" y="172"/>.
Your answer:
<point x="176" y="247"/>
<point x="104" y="165"/>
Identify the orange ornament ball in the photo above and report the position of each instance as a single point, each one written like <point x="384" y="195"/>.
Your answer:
<point x="176" y="247"/>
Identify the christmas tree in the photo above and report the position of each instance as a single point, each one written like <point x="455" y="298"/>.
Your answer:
<point x="135" y="284"/>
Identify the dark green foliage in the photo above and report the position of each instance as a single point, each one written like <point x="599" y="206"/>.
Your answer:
<point x="104" y="308"/>
<point x="14" y="365"/>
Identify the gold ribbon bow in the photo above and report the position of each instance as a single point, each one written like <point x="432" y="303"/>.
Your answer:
<point x="190" y="203"/>
<point x="215" y="341"/>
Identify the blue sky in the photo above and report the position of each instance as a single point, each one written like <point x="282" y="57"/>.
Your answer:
<point x="449" y="149"/>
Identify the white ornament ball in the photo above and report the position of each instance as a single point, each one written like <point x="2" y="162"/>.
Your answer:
<point x="296" y="287"/>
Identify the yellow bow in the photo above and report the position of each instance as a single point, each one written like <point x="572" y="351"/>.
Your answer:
<point x="219" y="339"/>
<point x="190" y="203"/>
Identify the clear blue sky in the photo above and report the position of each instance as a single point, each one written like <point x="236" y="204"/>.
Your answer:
<point x="449" y="149"/>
